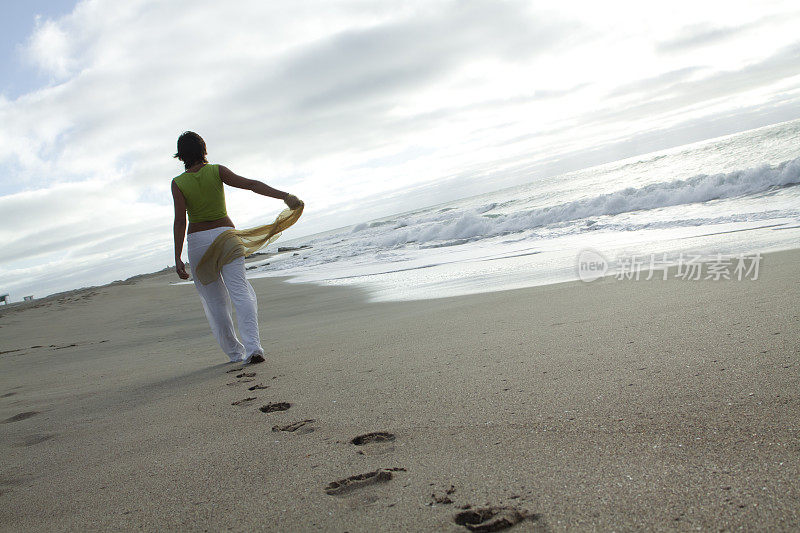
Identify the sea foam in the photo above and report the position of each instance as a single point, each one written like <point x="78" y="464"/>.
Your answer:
<point x="478" y="223"/>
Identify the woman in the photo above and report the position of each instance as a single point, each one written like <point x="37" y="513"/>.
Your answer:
<point x="199" y="191"/>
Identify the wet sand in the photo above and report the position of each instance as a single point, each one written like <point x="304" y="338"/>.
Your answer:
<point x="611" y="405"/>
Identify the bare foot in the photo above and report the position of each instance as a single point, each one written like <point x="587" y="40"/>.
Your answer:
<point x="257" y="358"/>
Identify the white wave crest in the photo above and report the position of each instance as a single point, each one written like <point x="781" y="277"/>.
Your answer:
<point x="471" y="225"/>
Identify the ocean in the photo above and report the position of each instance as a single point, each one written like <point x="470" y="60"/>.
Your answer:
<point x="719" y="199"/>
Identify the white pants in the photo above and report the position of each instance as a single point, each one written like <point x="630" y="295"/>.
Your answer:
<point x="217" y="296"/>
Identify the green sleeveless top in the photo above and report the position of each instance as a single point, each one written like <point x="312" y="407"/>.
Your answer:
<point x="205" y="197"/>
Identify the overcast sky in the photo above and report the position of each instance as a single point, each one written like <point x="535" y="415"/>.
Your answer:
<point x="361" y="108"/>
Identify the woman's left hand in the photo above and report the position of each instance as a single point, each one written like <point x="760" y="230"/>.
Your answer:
<point x="180" y="268"/>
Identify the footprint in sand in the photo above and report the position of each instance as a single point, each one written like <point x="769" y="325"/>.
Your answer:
<point x="273" y="407"/>
<point x="239" y="382"/>
<point x="258" y="387"/>
<point x="53" y="346"/>
<point x="487" y="519"/>
<point x="376" y="443"/>
<point x="246" y="375"/>
<point x="8" y="483"/>
<point x="443" y="499"/>
<point x="347" y="485"/>
<point x="301" y="427"/>
<point x="245" y="401"/>
<point x="232" y="370"/>
<point x="20" y="416"/>
<point x="31" y="440"/>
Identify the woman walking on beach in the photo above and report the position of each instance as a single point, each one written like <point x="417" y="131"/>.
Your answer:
<point x="200" y="193"/>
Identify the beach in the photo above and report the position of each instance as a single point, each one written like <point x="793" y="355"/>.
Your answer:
<point x="610" y="405"/>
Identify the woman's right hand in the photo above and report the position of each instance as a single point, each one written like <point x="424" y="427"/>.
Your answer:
<point x="293" y="201"/>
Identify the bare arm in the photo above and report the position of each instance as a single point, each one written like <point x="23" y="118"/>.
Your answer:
<point x="179" y="229"/>
<point x="258" y="187"/>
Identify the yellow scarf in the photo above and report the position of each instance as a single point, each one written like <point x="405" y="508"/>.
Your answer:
<point x="234" y="243"/>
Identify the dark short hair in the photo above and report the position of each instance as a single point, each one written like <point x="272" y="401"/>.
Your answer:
<point x="191" y="149"/>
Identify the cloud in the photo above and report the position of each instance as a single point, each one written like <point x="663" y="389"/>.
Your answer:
<point x="50" y="49"/>
<point x="657" y="83"/>
<point x="348" y="104"/>
<point x="62" y="219"/>
<point x="676" y="90"/>
<point x="697" y="36"/>
<point x="378" y="62"/>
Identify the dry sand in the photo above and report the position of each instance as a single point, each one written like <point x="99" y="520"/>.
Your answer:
<point x="611" y="405"/>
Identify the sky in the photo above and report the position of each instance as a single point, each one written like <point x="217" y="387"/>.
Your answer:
<point x="361" y="108"/>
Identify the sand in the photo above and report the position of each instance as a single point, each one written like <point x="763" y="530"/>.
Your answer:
<point x="611" y="405"/>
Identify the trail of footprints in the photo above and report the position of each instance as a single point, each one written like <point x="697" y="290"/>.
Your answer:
<point x="479" y="519"/>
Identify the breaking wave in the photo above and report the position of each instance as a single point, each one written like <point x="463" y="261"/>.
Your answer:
<point x="461" y="226"/>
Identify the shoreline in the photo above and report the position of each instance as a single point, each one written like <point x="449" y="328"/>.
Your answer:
<point x="602" y="405"/>
<point x="545" y="282"/>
